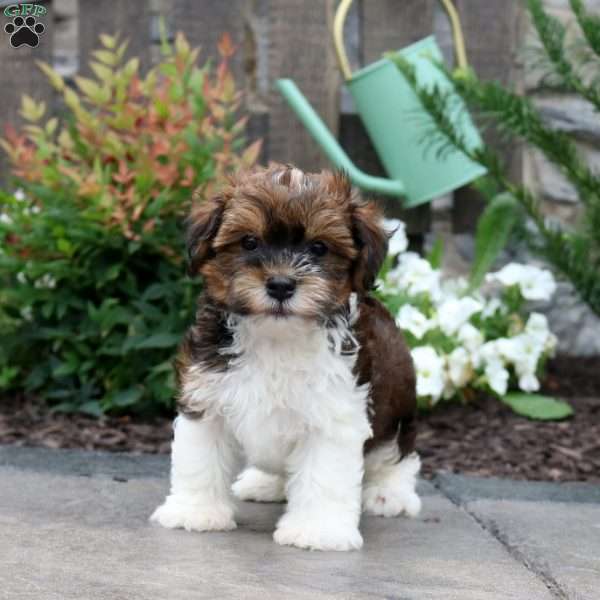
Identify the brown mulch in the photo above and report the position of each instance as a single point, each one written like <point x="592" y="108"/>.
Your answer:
<point x="485" y="438"/>
<point x="488" y="439"/>
<point x="24" y="422"/>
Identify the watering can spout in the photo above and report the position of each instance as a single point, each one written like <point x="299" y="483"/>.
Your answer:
<point x="330" y="146"/>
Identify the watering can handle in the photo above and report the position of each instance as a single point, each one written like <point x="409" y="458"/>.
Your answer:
<point x="338" y="36"/>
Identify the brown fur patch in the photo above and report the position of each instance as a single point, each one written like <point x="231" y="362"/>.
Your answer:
<point x="286" y="210"/>
<point x="384" y="362"/>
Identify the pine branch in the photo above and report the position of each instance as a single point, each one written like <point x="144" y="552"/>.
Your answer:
<point x="570" y="252"/>
<point x="552" y="35"/>
<point x="517" y="116"/>
<point x="590" y="25"/>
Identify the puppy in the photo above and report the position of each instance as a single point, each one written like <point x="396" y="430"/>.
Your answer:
<point x="291" y="366"/>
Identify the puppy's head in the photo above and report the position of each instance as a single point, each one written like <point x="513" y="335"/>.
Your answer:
<point x="281" y="242"/>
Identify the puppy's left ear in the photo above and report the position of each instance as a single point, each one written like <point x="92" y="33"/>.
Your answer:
<point x="202" y="227"/>
<point x="371" y="241"/>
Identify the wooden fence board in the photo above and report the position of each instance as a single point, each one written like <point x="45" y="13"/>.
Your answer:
<point x="301" y="49"/>
<point x="204" y="23"/>
<point x="491" y="35"/>
<point x="19" y="75"/>
<point x="130" y="19"/>
<point x="391" y="25"/>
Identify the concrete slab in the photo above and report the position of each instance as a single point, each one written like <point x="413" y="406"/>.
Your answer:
<point x="83" y="534"/>
<point x="462" y="489"/>
<point x="558" y="541"/>
<point x="77" y="462"/>
<point x="552" y="528"/>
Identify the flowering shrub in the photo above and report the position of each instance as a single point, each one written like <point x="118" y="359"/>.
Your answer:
<point x="464" y="342"/>
<point x="93" y="295"/>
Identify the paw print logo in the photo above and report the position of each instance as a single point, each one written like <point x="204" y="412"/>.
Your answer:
<point x="24" y="32"/>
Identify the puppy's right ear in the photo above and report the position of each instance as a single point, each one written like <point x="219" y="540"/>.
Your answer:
<point x="202" y="227"/>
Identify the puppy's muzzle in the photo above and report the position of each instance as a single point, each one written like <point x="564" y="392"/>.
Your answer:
<point x="280" y="288"/>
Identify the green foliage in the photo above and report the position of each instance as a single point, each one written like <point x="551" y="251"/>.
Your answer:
<point x="436" y="254"/>
<point x="590" y="25"/>
<point x="493" y="231"/>
<point x="538" y="407"/>
<point x="93" y="293"/>
<point x="575" y="251"/>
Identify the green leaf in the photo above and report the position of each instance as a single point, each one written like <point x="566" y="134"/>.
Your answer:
<point x="64" y="369"/>
<point x="436" y="254"/>
<point x="126" y="397"/>
<point x="493" y="230"/>
<point x="65" y="246"/>
<point x="7" y="374"/>
<point x="159" y="340"/>
<point x="537" y="407"/>
<point x="37" y="376"/>
<point x="92" y="408"/>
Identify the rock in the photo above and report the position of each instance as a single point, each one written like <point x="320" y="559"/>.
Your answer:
<point x="540" y="173"/>
<point x="575" y="325"/>
<point x="570" y="114"/>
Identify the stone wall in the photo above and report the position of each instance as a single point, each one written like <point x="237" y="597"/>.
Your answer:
<point x="576" y="326"/>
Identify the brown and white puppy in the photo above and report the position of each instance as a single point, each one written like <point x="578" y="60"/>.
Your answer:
<point x="291" y="365"/>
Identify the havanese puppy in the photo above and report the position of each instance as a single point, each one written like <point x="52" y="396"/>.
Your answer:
<point x="292" y="366"/>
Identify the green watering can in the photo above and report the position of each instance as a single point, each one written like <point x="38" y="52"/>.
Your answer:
<point x="396" y="121"/>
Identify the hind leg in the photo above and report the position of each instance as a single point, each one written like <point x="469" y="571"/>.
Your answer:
<point x="389" y="482"/>
<point x="257" y="486"/>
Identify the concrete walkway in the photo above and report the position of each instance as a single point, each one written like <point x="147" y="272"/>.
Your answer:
<point x="73" y="525"/>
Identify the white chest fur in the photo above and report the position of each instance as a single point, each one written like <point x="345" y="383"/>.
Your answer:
<point x="286" y="378"/>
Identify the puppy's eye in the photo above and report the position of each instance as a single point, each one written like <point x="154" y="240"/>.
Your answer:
<point x="249" y="242"/>
<point x="318" y="249"/>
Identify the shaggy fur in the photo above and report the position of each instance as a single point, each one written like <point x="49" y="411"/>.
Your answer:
<point x="291" y="367"/>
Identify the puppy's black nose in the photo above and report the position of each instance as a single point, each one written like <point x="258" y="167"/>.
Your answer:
<point x="281" y="288"/>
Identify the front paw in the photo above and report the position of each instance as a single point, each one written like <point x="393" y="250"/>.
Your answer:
<point x="317" y="532"/>
<point x="194" y="516"/>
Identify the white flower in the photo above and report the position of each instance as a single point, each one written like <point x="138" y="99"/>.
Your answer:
<point x="413" y="320"/>
<point x="490" y="352"/>
<point x="523" y="351"/>
<point x="19" y="194"/>
<point x="455" y="287"/>
<point x="512" y="349"/>
<point x="416" y="276"/>
<point x="453" y="314"/>
<point x="534" y="283"/>
<point x="46" y="281"/>
<point x="398" y="242"/>
<point x="27" y="313"/>
<point x="21" y="277"/>
<point x="460" y="370"/>
<point x="470" y="337"/>
<point x="6" y="219"/>
<point x="497" y="377"/>
<point x="529" y="382"/>
<point x="430" y="372"/>
<point x="537" y="327"/>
